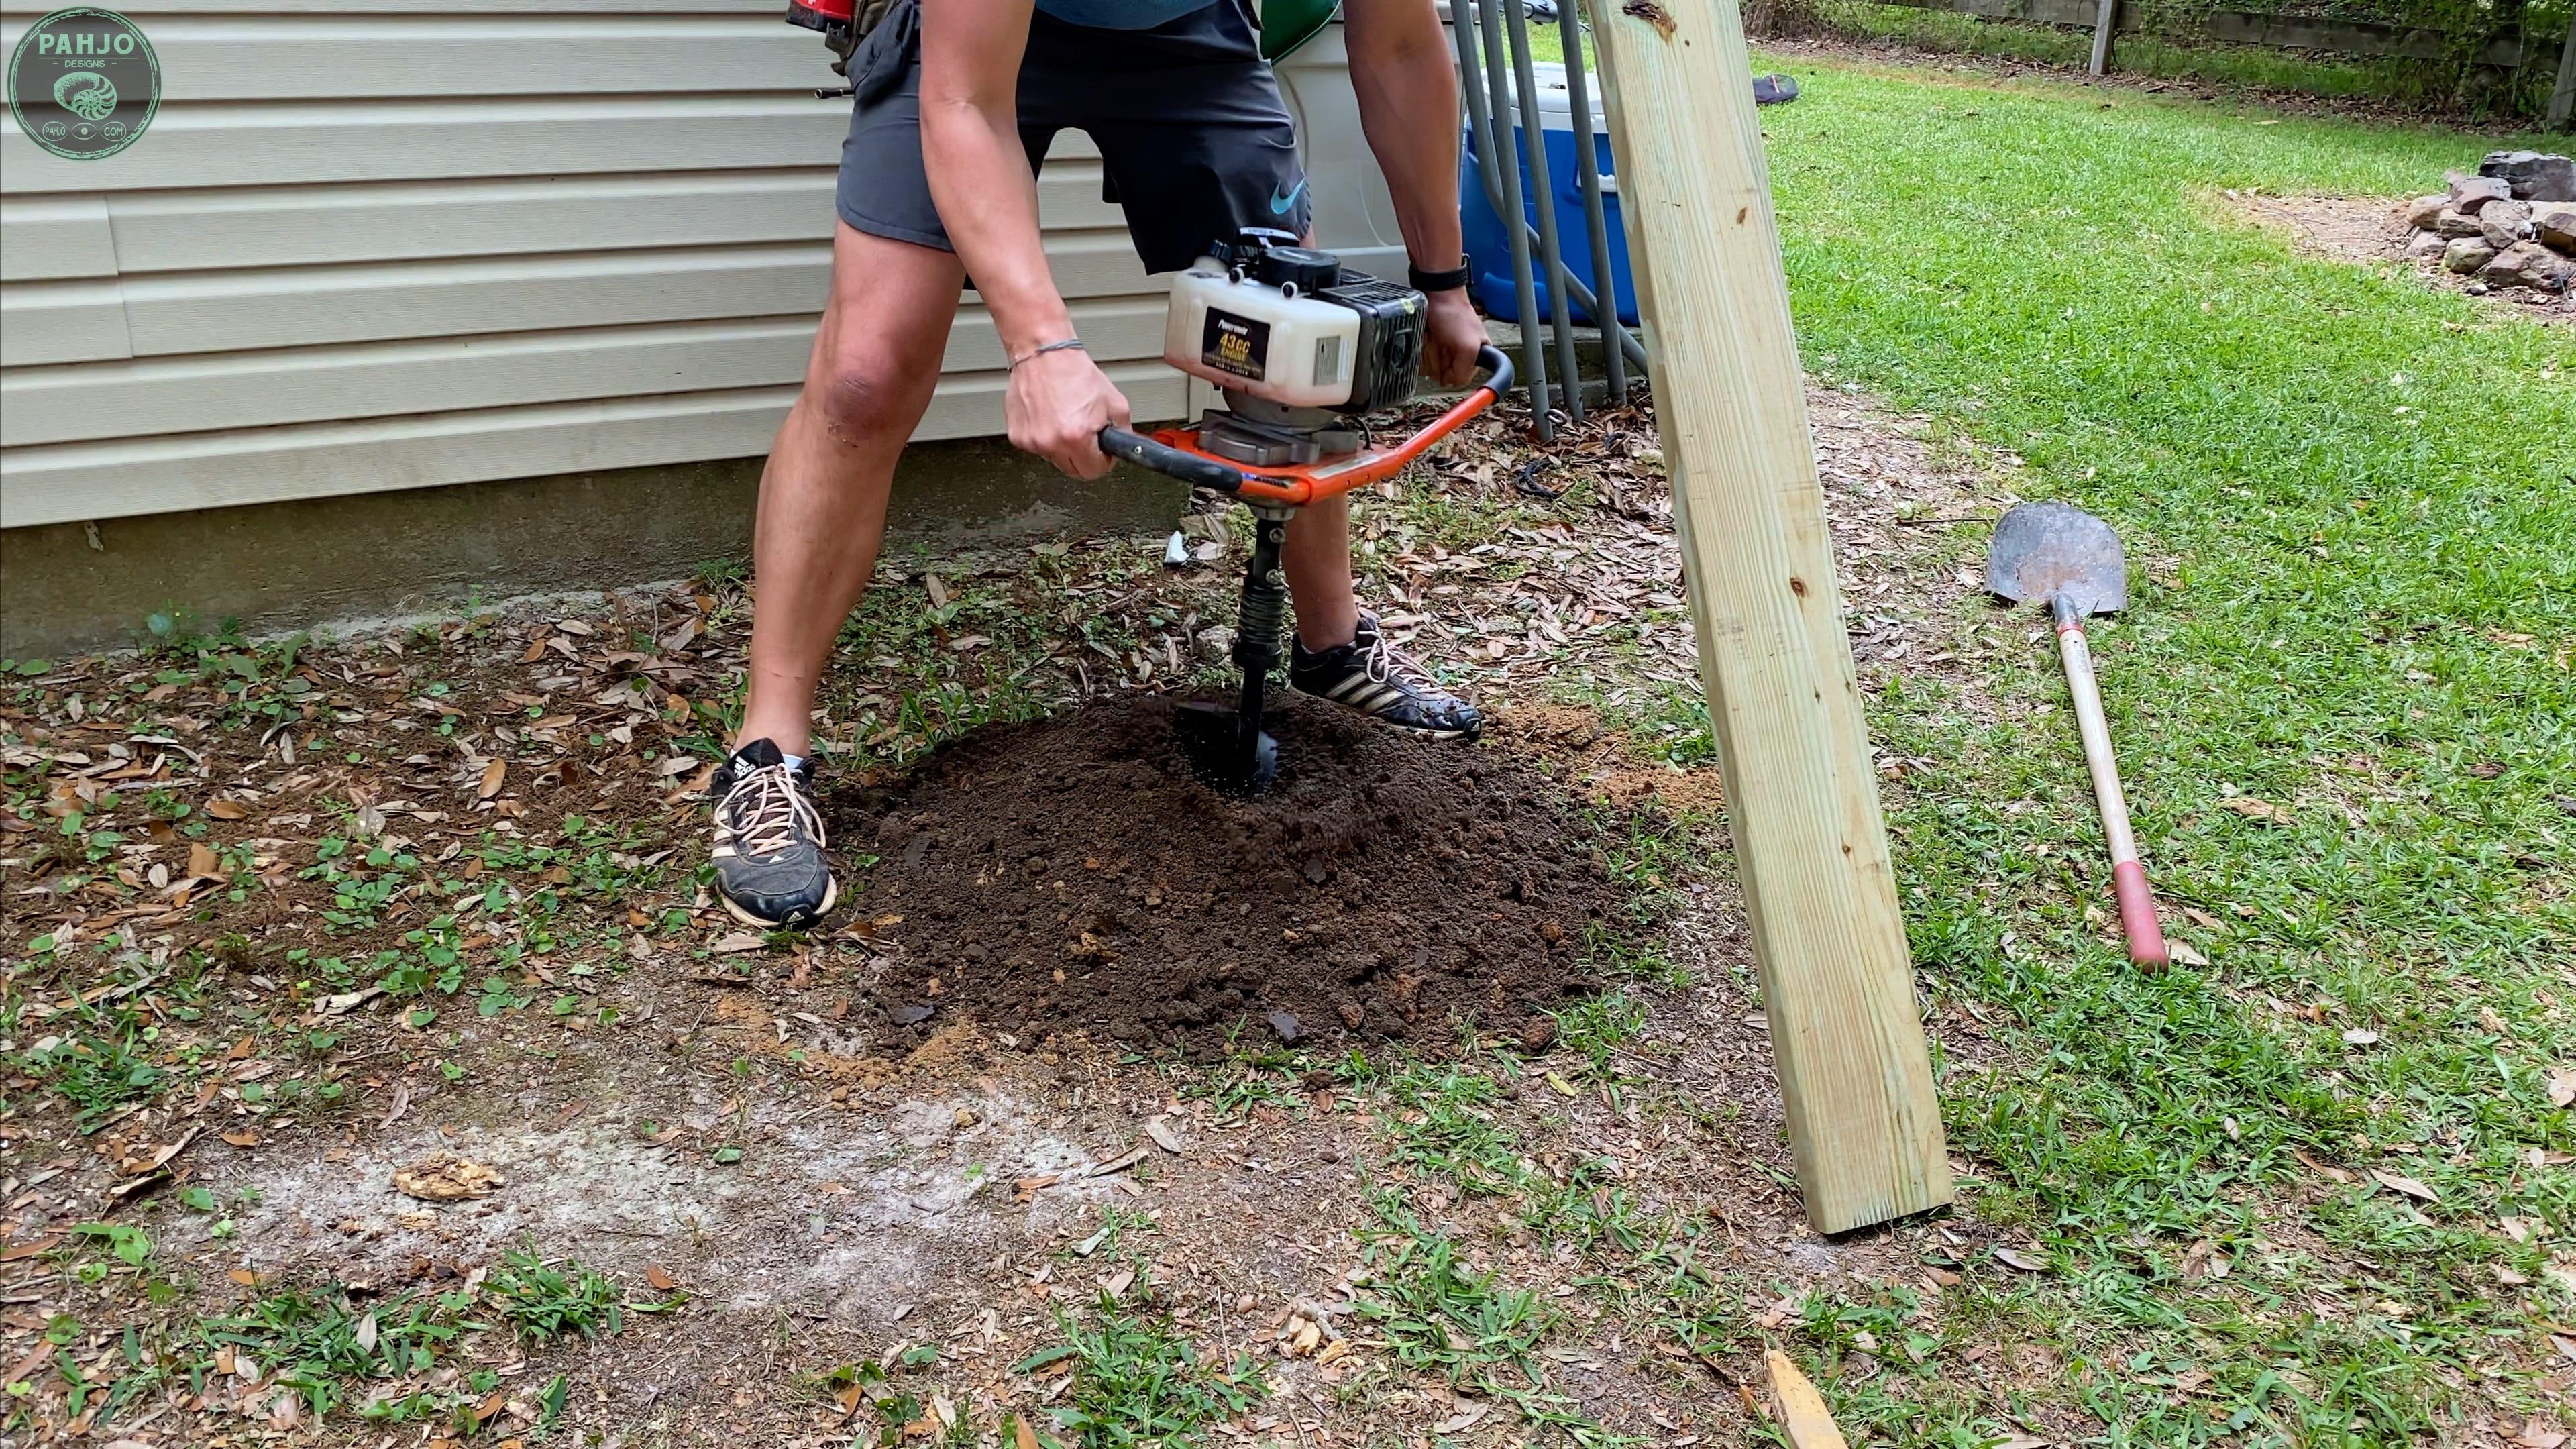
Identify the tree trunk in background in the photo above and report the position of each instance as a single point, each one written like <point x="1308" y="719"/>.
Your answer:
<point x="2562" y="97"/>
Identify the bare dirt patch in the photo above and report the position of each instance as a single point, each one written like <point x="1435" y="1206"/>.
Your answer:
<point x="2371" y="230"/>
<point x="1075" y="873"/>
<point x="2354" y="228"/>
<point x="739" y="1123"/>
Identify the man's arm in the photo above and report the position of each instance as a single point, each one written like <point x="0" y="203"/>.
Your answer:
<point x="1408" y="94"/>
<point x="988" y="203"/>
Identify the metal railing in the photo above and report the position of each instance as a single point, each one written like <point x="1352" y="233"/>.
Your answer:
<point x="1495" y="73"/>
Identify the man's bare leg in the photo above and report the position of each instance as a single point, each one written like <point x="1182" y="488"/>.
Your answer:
<point x="1316" y="559"/>
<point x="1339" y="655"/>
<point x="1331" y="660"/>
<point x="875" y="365"/>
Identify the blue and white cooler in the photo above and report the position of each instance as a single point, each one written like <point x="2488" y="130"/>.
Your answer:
<point x="1489" y="244"/>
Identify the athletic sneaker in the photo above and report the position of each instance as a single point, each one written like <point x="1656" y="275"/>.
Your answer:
<point x="1368" y="675"/>
<point x="770" y="870"/>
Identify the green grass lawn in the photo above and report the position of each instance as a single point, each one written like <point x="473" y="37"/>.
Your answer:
<point x="2350" y="507"/>
<point x="2311" y="1188"/>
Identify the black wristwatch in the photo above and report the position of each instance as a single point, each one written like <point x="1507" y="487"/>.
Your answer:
<point x="1449" y="281"/>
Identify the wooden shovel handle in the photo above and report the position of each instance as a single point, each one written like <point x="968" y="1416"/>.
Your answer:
<point x="2128" y="876"/>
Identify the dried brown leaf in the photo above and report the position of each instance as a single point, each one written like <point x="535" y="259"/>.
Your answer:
<point x="1469" y="1411"/>
<point x="1120" y="1163"/>
<point x="2399" y="1182"/>
<point x="446" y="1177"/>
<point x="2254" y="809"/>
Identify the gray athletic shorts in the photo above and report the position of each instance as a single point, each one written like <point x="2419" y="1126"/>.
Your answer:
<point x="1193" y="136"/>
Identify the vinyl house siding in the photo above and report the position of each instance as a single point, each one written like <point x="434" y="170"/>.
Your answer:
<point x="438" y="241"/>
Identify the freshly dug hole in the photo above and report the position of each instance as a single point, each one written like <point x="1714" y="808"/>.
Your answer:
<point x="1074" y="875"/>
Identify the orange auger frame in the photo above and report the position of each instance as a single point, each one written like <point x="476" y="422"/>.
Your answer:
<point x="1175" y="451"/>
<point x="1300" y="485"/>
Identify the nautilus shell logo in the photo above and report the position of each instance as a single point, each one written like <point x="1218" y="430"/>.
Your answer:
<point x="86" y="94"/>
<point x="84" y="83"/>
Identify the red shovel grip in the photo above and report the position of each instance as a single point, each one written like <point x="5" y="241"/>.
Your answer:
<point x="2138" y="916"/>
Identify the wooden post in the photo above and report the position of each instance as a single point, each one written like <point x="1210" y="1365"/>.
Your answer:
<point x="2103" y="21"/>
<point x="1802" y="799"/>
<point x="2562" y="97"/>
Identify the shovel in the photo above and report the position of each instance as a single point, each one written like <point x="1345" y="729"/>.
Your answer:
<point x="2070" y="560"/>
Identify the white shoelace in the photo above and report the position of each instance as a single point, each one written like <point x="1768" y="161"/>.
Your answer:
<point x="1382" y="663"/>
<point x="766" y="807"/>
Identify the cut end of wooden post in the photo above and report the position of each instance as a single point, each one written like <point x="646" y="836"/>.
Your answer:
<point x="1802" y="1409"/>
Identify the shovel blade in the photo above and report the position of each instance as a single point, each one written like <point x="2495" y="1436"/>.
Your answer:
<point x="2043" y="550"/>
<point x="1212" y="738"/>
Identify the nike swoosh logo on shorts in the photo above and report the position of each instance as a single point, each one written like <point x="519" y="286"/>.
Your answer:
<point x="1279" y="204"/>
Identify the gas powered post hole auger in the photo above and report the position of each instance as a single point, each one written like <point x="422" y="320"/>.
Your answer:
<point x="1302" y="351"/>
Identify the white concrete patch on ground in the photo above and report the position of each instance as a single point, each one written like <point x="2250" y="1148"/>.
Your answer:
<point x="851" y="1215"/>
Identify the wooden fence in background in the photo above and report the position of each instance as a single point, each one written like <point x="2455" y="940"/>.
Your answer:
<point x="2108" y="19"/>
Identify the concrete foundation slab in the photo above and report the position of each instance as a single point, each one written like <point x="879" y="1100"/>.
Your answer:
<point x="283" y="566"/>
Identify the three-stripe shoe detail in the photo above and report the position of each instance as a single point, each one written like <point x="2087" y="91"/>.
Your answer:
<point x="1370" y="675"/>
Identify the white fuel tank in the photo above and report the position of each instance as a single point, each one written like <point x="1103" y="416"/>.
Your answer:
<point x="1249" y="336"/>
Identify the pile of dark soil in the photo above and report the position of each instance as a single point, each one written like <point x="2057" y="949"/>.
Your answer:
<point x="1074" y="875"/>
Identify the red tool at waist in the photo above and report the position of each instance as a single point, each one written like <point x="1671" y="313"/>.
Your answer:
<point x="835" y="20"/>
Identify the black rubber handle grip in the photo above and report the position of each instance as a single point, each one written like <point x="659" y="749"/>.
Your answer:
<point x="1495" y="361"/>
<point x="1190" y="468"/>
